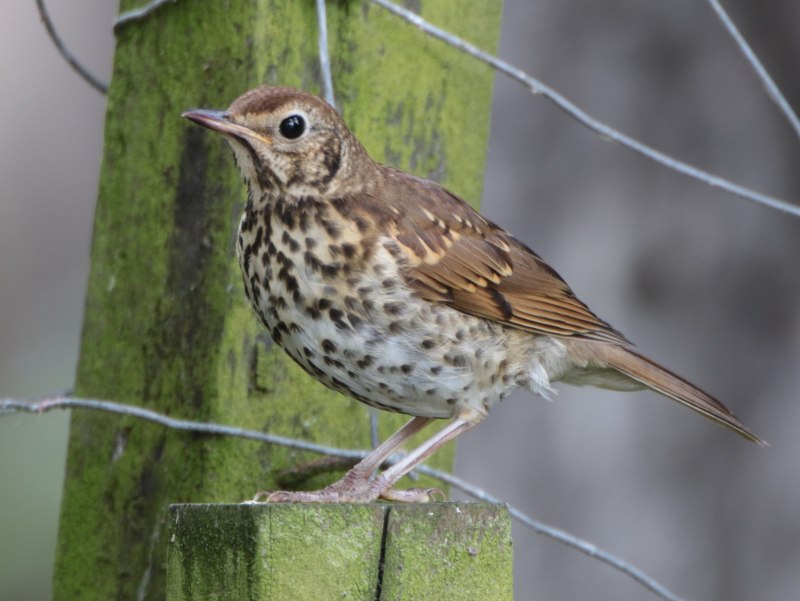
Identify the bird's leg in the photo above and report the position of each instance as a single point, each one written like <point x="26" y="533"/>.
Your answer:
<point x="360" y="474"/>
<point x="355" y="486"/>
<point x="384" y="481"/>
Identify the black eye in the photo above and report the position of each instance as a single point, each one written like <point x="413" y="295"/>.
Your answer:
<point x="292" y="127"/>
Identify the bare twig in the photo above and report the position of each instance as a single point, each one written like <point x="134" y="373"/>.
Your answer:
<point x="772" y="89"/>
<point x="373" y="428"/>
<point x="66" y="54"/>
<point x="138" y="13"/>
<point x="59" y="402"/>
<point x="322" y="24"/>
<point x="561" y="536"/>
<point x="324" y="56"/>
<point x="537" y="87"/>
<point x="9" y="405"/>
<point x="296" y="475"/>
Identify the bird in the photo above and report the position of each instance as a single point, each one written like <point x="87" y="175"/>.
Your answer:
<point x="391" y="289"/>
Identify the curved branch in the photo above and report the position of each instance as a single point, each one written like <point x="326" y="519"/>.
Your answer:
<point x="605" y="131"/>
<point x="73" y="62"/>
<point x="138" y="13"/>
<point x="772" y="89"/>
<point x="62" y="402"/>
<point x="324" y="55"/>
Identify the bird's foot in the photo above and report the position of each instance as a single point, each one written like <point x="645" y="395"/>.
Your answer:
<point x="331" y="494"/>
<point x="351" y="492"/>
<point x="413" y="495"/>
<point x="349" y="489"/>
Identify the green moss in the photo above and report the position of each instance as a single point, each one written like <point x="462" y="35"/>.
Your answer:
<point x="166" y="325"/>
<point x="235" y="552"/>
<point x="458" y="551"/>
<point x="448" y="551"/>
<point x="212" y="551"/>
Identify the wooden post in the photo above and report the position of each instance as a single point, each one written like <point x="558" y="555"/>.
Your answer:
<point x="166" y="324"/>
<point x="378" y="552"/>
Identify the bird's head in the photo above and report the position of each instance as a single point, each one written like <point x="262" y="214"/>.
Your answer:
<point x="284" y="140"/>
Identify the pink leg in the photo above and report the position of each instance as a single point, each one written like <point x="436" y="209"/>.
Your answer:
<point x="355" y="486"/>
<point x="360" y="473"/>
<point x="389" y="477"/>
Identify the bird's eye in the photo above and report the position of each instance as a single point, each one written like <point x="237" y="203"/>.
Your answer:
<point x="292" y="127"/>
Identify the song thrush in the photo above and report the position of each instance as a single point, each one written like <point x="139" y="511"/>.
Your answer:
<point x="391" y="289"/>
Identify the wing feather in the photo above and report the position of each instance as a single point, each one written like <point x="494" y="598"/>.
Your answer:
<point x="454" y="255"/>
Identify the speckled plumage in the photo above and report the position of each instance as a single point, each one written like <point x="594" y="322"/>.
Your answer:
<point x="390" y="289"/>
<point x="337" y="301"/>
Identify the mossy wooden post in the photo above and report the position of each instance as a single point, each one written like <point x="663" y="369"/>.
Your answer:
<point x="376" y="552"/>
<point x="166" y="325"/>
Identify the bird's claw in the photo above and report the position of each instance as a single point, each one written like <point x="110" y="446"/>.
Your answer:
<point x="414" y="495"/>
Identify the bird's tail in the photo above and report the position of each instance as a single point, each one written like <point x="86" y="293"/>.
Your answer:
<point x="652" y="375"/>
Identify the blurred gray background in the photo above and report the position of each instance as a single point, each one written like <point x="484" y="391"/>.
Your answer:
<point x="706" y="283"/>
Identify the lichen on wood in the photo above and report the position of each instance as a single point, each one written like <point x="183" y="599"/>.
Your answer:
<point x="166" y="325"/>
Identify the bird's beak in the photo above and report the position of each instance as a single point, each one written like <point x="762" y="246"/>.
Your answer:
<point x="219" y="121"/>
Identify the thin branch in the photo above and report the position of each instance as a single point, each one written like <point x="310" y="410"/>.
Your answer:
<point x="324" y="56"/>
<point x="322" y="24"/>
<point x="138" y="13"/>
<point x="66" y="54"/>
<point x="11" y="405"/>
<point x="561" y="536"/>
<point x="297" y="475"/>
<point x="537" y="87"/>
<point x="772" y="89"/>
<point x="373" y="428"/>
<point x="58" y="402"/>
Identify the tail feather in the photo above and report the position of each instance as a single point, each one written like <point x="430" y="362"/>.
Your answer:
<point x="659" y="379"/>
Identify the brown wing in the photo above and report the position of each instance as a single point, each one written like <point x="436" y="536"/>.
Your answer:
<point x="455" y="256"/>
